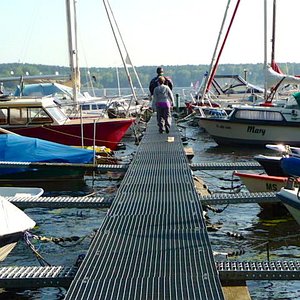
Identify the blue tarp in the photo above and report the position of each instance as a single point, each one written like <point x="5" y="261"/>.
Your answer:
<point x="25" y="149"/>
<point x="291" y="165"/>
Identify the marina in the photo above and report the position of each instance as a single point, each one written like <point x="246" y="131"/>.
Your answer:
<point x="243" y="266"/>
<point x="148" y="213"/>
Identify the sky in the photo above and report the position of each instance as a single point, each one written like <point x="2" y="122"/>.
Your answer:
<point x="156" y="32"/>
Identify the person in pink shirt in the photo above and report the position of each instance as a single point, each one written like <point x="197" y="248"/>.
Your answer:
<point x="162" y="102"/>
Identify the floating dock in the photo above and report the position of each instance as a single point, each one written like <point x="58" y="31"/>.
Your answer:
<point x="106" y="202"/>
<point x="29" y="277"/>
<point x="153" y="243"/>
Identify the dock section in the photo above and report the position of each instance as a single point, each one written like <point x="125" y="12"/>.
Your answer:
<point x="153" y="243"/>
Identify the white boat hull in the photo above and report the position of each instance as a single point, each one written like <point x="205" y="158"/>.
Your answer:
<point x="227" y="132"/>
<point x="291" y="201"/>
<point x="13" y="223"/>
<point x="262" y="183"/>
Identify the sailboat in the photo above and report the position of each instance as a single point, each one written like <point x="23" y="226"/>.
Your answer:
<point x="46" y="116"/>
<point x="259" y="124"/>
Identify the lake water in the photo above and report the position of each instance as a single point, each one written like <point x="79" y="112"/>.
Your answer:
<point x="283" y="233"/>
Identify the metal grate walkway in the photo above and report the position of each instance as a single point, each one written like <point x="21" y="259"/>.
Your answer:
<point x="226" y="166"/>
<point x="62" y="201"/>
<point x="153" y="242"/>
<point x="236" y="271"/>
<point x="258" y="270"/>
<point x="28" y="277"/>
<point x="260" y="197"/>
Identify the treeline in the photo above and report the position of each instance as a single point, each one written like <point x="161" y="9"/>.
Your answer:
<point x="182" y="76"/>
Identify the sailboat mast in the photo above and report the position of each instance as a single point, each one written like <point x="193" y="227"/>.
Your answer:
<point x="72" y="44"/>
<point x="273" y="33"/>
<point x="265" y="50"/>
<point x="118" y="80"/>
<point x="222" y="46"/>
<point x="214" y="54"/>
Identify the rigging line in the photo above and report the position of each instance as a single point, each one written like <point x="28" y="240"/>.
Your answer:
<point x="77" y="240"/>
<point x="29" y="34"/>
<point x="209" y="175"/>
<point x="76" y="136"/>
<point x="124" y="63"/>
<point x="137" y="77"/>
<point x="215" y="52"/>
<point x="222" y="46"/>
<point x="87" y="73"/>
<point x="39" y="257"/>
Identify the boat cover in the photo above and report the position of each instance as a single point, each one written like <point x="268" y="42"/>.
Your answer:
<point x="45" y="90"/>
<point x="19" y="148"/>
<point x="291" y="165"/>
<point x="12" y="219"/>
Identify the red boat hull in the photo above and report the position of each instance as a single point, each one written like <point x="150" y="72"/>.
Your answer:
<point x="106" y="132"/>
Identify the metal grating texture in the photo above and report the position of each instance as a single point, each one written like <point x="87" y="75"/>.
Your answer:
<point x="59" y="276"/>
<point x="58" y="202"/>
<point x="226" y="166"/>
<point x="259" y="270"/>
<point x="36" y="277"/>
<point x="153" y="242"/>
<point x="99" y="167"/>
<point x="260" y="197"/>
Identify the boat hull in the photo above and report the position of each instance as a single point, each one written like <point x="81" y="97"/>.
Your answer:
<point x="291" y="201"/>
<point x="37" y="175"/>
<point x="107" y="132"/>
<point x="226" y="132"/>
<point x="264" y="183"/>
<point x="271" y="165"/>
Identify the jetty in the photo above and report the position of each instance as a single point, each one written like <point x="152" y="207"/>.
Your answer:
<point x="153" y="242"/>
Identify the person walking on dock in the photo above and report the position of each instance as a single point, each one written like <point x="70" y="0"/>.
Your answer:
<point x="162" y="102"/>
<point x="154" y="81"/>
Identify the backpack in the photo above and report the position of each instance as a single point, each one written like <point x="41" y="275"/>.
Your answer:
<point x="154" y="83"/>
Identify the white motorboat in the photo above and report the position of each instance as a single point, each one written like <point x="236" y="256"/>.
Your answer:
<point x="256" y="125"/>
<point x="290" y="197"/>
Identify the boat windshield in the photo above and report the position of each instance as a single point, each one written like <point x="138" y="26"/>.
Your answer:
<point x="94" y="106"/>
<point x="24" y="115"/>
<point x="57" y="114"/>
<point x="259" y="115"/>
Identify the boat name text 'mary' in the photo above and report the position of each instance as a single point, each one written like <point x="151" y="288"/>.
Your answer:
<point x="252" y="129"/>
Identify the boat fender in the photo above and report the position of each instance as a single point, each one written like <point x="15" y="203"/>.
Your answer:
<point x="235" y="235"/>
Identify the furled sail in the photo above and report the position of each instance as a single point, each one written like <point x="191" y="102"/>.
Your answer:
<point x="274" y="78"/>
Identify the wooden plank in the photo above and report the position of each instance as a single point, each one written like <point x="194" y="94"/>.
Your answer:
<point x="236" y="292"/>
<point x="189" y="152"/>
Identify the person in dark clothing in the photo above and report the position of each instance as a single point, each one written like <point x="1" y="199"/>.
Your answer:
<point x="154" y="81"/>
<point x="163" y="101"/>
